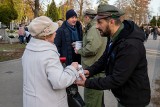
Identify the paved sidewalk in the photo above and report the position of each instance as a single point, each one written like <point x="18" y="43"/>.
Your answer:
<point x="11" y="86"/>
<point x="11" y="79"/>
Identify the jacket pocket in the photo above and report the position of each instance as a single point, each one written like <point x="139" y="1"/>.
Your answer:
<point x="29" y="98"/>
<point x="63" y="102"/>
<point x="28" y="91"/>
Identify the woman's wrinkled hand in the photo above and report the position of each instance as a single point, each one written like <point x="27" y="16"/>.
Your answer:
<point x="75" y="65"/>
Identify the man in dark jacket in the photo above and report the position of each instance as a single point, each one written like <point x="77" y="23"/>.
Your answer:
<point x="124" y="60"/>
<point x="155" y="32"/>
<point x="69" y="32"/>
<point x="147" y="32"/>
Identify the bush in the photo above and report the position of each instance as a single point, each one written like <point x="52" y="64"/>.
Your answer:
<point x="11" y="31"/>
<point x="11" y="36"/>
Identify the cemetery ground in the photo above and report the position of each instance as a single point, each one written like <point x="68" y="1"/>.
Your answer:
<point x="11" y="51"/>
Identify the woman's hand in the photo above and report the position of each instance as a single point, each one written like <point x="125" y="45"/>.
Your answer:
<point x="75" y="65"/>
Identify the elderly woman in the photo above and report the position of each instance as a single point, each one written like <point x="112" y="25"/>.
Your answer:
<point x="44" y="78"/>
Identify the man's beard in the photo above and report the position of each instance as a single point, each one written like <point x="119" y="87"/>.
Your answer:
<point x="105" y="33"/>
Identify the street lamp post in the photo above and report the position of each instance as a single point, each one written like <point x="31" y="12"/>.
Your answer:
<point x="149" y="18"/>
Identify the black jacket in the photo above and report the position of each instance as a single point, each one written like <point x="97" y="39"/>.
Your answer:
<point x="63" y="41"/>
<point x="125" y="67"/>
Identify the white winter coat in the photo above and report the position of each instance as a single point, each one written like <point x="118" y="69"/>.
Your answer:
<point x="44" y="78"/>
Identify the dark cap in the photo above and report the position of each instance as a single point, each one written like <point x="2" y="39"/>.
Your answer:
<point x="90" y="12"/>
<point x="70" y="13"/>
<point x="106" y="10"/>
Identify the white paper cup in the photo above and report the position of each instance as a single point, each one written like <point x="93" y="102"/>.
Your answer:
<point x="80" y="70"/>
<point x="78" y="45"/>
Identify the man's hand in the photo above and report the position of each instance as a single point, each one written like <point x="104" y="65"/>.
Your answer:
<point x="81" y="82"/>
<point x="73" y="44"/>
<point x="86" y="73"/>
<point x="75" y="50"/>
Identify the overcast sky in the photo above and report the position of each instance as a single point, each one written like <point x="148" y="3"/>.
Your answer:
<point x="154" y="6"/>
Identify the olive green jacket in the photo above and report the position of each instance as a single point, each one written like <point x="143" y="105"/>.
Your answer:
<point x="93" y="45"/>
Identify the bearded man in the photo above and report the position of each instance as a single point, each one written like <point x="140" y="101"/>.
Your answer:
<point x="124" y="60"/>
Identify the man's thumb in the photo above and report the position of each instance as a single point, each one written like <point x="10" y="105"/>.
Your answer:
<point x="82" y="76"/>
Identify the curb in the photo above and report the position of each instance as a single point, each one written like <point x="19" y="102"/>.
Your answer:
<point x="10" y="61"/>
<point x="152" y="52"/>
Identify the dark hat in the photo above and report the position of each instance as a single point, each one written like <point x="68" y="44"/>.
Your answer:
<point x="70" y="13"/>
<point x="90" y="12"/>
<point x="106" y="10"/>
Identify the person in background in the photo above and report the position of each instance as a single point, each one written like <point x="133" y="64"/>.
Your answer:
<point x="124" y="60"/>
<point x="21" y="33"/>
<point x="147" y="32"/>
<point x="155" y="32"/>
<point x="69" y="32"/>
<point x="93" y="47"/>
<point x="44" y="78"/>
<point x="60" y="21"/>
<point x="158" y="30"/>
<point x="27" y="34"/>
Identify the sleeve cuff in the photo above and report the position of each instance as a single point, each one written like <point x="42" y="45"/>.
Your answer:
<point x="90" y="71"/>
<point x="73" y="69"/>
<point x="87" y="82"/>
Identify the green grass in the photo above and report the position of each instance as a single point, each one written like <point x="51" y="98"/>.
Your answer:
<point x="11" y="46"/>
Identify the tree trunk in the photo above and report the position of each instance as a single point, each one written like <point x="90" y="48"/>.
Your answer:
<point x="36" y="10"/>
<point x="80" y="12"/>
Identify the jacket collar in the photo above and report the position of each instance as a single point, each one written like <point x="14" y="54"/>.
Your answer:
<point x="38" y="45"/>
